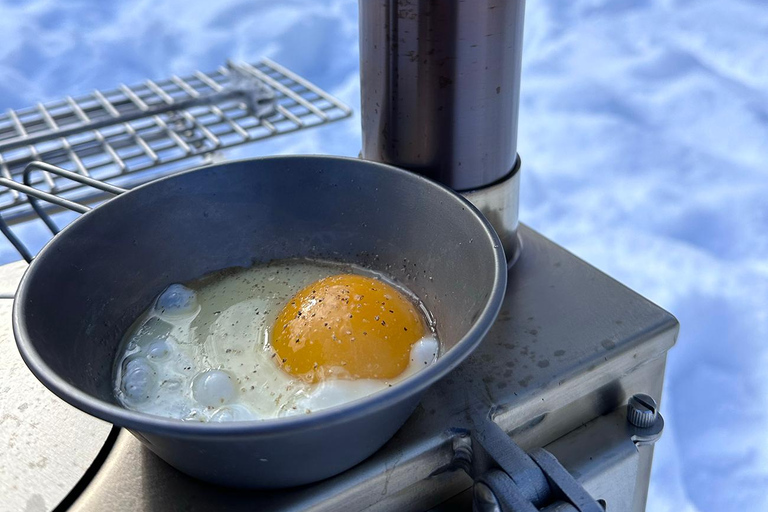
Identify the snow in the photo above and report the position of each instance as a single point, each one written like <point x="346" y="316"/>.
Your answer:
<point x="643" y="132"/>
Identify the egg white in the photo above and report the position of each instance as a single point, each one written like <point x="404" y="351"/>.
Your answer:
<point x="201" y="353"/>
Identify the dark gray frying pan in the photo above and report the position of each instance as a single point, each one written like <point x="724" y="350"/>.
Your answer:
<point x="91" y="281"/>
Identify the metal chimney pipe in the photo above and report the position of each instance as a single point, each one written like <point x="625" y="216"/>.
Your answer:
<point x="440" y="87"/>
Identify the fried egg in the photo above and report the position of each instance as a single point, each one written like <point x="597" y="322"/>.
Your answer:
<point x="280" y="339"/>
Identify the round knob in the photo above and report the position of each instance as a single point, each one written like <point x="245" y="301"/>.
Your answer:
<point x="642" y="410"/>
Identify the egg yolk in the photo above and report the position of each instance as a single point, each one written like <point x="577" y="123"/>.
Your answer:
<point x="347" y="326"/>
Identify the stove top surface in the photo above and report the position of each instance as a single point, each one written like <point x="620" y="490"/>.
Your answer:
<point x="570" y="344"/>
<point x="46" y="445"/>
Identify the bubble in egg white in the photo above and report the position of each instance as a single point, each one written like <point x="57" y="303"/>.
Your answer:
<point x="214" y="388"/>
<point x="158" y="349"/>
<point x="233" y="412"/>
<point x="177" y="301"/>
<point x="424" y="353"/>
<point x="139" y="379"/>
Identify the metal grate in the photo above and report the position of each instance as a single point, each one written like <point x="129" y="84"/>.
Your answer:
<point x="131" y="134"/>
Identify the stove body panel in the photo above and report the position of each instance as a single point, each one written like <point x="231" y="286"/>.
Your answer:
<point x="46" y="446"/>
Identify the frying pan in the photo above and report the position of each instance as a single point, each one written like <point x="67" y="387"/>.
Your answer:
<point x="86" y="287"/>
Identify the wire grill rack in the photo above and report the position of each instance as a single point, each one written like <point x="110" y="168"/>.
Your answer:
<point x="132" y="134"/>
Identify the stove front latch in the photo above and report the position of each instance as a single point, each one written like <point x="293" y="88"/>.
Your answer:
<point x="604" y="455"/>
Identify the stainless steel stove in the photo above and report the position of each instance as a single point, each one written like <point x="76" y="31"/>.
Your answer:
<point x="571" y="346"/>
<point x="557" y="409"/>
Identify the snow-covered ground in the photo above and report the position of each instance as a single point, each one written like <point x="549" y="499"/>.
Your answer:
<point x="644" y="136"/>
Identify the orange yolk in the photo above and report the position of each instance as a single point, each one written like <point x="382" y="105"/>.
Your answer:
<point x="347" y="326"/>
